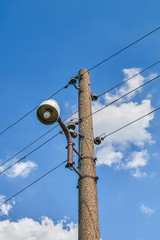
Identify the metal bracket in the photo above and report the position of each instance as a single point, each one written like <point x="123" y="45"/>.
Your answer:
<point x="81" y="77"/>
<point x="93" y="158"/>
<point x="80" y="90"/>
<point x="73" y="144"/>
<point x="69" y="165"/>
<point x="73" y="82"/>
<point x="81" y="120"/>
<point x="81" y="136"/>
<point x="89" y="176"/>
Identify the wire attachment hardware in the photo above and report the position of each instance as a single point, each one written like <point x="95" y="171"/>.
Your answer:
<point x="94" y="97"/>
<point x="89" y="157"/>
<point x="73" y="82"/>
<point x="99" y="139"/>
<point x="89" y="176"/>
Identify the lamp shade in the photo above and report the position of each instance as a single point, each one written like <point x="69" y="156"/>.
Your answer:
<point x="48" y="112"/>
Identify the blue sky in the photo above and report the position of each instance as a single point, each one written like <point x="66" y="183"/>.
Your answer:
<point x="42" y="45"/>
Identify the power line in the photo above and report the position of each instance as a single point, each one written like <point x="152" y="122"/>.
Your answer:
<point x="93" y="113"/>
<point x="83" y="73"/>
<point x="29" y="153"/>
<point x="53" y="169"/>
<point x="132" y="122"/>
<point x="153" y="79"/>
<point x="28" y="145"/>
<point x="123" y="49"/>
<point x="76" y="112"/>
<point x="34" y="141"/>
<point x="129" y="78"/>
<point x="66" y="160"/>
<point x="20" y="119"/>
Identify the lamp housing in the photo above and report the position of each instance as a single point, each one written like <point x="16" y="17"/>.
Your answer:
<point x="48" y="112"/>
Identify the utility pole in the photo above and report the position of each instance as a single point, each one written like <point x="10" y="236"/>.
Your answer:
<point x="88" y="203"/>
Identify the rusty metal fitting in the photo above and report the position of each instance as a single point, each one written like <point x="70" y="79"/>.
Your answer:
<point x="70" y="165"/>
<point x="81" y="136"/>
<point x="93" y="158"/>
<point x="72" y="144"/>
<point x="81" y="120"/>
<point x="89" y="176"/>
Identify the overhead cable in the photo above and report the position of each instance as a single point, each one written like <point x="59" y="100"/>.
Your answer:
<point x="34" y="141"/>
<point x="66" y="160"/>
<point x="29" y="153"/>
<point x="20" y="119"/>
<point x="53" y="169"/>
<point x="136" y="120"/>
<point x="123" y="49"/>
<point x="129" y="78"/>
<point x="107" y="105"/>
<point x="153" y="79"/>
<point x="105" y="60"/>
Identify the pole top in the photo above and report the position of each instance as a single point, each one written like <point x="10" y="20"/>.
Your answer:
<point x="83" y="71"/>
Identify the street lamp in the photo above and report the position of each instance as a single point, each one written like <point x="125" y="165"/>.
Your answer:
<point x="48" y="113"/>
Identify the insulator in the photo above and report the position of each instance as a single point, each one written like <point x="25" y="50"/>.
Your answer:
<point x="73" y="81"/>
<point x="72" y="133"/>
<point x="97" y="140"/>
<point x="71" y="125"/>
<point x="94" y="97"/>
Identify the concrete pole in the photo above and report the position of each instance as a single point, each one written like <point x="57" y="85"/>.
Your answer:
<point x="88" y="204"/>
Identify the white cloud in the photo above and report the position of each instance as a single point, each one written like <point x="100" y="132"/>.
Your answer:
<point x="108" y="156"/>
<point x="128" y="86"/>
<point x="114" y="117"/>
<point x="146" y="210"/>
<point x="21" y="169"/>
<point x="27" y="228"/>
<point x="139" y="159"/>
<point x="116" y="149"/>
<point x="139" y="174"/>
<point x="5" y="208"/>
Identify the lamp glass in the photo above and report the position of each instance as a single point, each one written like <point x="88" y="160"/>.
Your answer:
<point x="47" y="114"/>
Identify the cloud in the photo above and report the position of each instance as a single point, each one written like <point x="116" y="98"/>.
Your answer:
<point x="114" y="117"/>
<point x="107" y="155"/>
<point x="5" y="208"/>
<point x="21" y="169"/>
<point x="117" y="149"/>
<point x="146" y="210"/>
<point x="139" y="159"/>
<point x="28" y="228"/>
<point x="128" y="86"/>
<point x="139" y="174"/>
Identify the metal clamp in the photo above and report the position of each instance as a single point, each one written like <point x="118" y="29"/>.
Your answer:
<point x="89" y="176"/>
<point x="93" y="158"/>
<point x="81" y="120"/>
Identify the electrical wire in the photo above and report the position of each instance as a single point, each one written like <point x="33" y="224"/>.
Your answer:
<point x="66" y="160"/>
<point x="107" y="135"/>
<point x="53" y="169"/>
<point x="20" y="119"/>
<point x="123" y="49"/>
<point x="98" y="64"/>
<point x="35" y="141"/>
<point x="129" y="78"/>
<point x="100" y="109"/>
<point x="103" y="108"/>
<point x="29" y="153"/>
